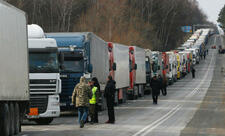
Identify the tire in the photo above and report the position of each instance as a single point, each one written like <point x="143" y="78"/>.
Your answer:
<point x="17" y="119"/>
<point x="44" y="121"/>
<point x="11" y="119"/>
<point x="4" y="117"/>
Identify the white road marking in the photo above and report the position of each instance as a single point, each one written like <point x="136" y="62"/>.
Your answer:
<point x="157" y="122"/>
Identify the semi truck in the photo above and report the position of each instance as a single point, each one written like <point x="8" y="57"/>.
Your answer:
<point x="14" y="79"/>
<point x="80" y="54"/>
<point x="179" y="61"/>
<point x="45" y="83"/>
<point x="165" y="63"/>
<point x="137" y="72"/>
<point x="119" y="69"/>
<point x="172" y="75"/>
<point x="157" y="66"/>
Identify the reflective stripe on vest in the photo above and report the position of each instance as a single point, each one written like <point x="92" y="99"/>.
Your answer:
<point x="93" y="99"/>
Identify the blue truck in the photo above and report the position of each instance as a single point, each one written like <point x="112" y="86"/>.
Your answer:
<point x="80" y="54"/>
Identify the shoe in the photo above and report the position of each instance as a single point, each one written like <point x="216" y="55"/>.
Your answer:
<point x="95" y="121"/>
<point x="112" y="122"/>
<point x="81" y="124"/>
<point x="91" y="122"/>
<point x="107" y="122"/>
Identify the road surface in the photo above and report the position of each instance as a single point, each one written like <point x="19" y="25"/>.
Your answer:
<point x="192" y="107"/>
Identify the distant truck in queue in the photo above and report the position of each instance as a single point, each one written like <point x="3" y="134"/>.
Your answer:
<point x="80" y="54"/>
<point x="137" y="72"/>
<point x="45" y="82"/>
<point x="148" y="66"/>
<point x="14" y="79"/>
<point x="172" y="75"/>
<point x="157" y="63"/>
<point x="119" y="69"/>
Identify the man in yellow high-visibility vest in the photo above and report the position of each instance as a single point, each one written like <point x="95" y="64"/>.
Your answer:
<point x="93" y="101"/>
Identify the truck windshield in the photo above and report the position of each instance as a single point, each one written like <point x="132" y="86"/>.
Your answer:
<point x="154" y="67"/>
<point x="43" y="62"/>
<point x="74" y="65"/>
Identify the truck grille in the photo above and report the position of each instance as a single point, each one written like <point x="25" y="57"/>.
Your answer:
<point x="38" y="86"/>
<point x="40" y="102"/>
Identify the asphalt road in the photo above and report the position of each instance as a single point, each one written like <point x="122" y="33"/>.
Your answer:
<point x="187" y="109"/>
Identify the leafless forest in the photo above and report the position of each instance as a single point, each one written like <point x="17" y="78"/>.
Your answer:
<point x="154" y="24"/>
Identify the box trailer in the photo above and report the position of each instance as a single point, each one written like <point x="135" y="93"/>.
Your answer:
<point x="141" y="69"/>
<point x="14" y="79"/>
<point x="119" y="69"/>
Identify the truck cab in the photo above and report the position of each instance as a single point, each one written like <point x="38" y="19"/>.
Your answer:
<point x="178" y="65"/>
<point x="157" y="66"/>
<point x="45" y="83"/>
<point x="165" y="63"/>
<point x="132" y="90"/>
<point x="73" y="56"/>
<point x="148" y="62"/>
<point x="172" y="67"/>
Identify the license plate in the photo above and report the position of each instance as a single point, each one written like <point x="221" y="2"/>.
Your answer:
<point x="33" y="112"/>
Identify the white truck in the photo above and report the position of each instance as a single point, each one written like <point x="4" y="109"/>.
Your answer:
<point x="14" y="79"/>
<point x="148" y="66"/>
<point x="119" y="69"/>
<point x="45" y="83"/>
<point x="172" y="75"/>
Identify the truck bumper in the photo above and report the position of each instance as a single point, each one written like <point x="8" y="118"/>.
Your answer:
<point x="53" y="109"/>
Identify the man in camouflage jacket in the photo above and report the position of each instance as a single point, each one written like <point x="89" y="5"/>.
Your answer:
<point x="80" y="98"/>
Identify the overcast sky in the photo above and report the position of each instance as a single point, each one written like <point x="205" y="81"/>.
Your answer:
<point x="211" y="8"/>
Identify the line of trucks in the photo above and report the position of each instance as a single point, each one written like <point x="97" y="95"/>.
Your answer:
<point x="40" y="70"/>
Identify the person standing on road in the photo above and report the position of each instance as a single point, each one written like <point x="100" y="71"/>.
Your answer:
<point x="193" y="72"/>
<point x="155" y="85"/>
<point x="161" y="84"/>
<point x="109" y="94"/>
<point x="92" y="101"/>
<point x="98" y="94"/>
<point x="204" y="54"/>
<point x="164" y="86"/>
<point x="80" y="98"/>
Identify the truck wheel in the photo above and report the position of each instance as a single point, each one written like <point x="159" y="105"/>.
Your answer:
<point x="136" y="92"/>
<point x="11" y="119"/>
<point x="44" y="121"/>
<point x="17" y="119"/>
<point x="4" y="117"/>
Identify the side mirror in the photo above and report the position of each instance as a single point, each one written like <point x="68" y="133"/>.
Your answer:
<point x="90" y="68"/>
<point x="135" y="66"/>
<point x="158" y="67"/>
<point x="62" y="67"/>
<point x="61" y="57"/>
<point x="114" y="66"/>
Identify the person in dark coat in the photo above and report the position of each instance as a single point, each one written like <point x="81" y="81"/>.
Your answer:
<point x="193" y="72"/>
<point x="109" y="94"/>
<point x="164" y="86"/>
<point x="161" y="84"/>
<point x="155" y="85"/>
<point x="98" y="94"/>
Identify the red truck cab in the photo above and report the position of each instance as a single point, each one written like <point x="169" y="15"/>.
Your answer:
<point x="133" y="67"/>
<point x="165" y="64"/>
